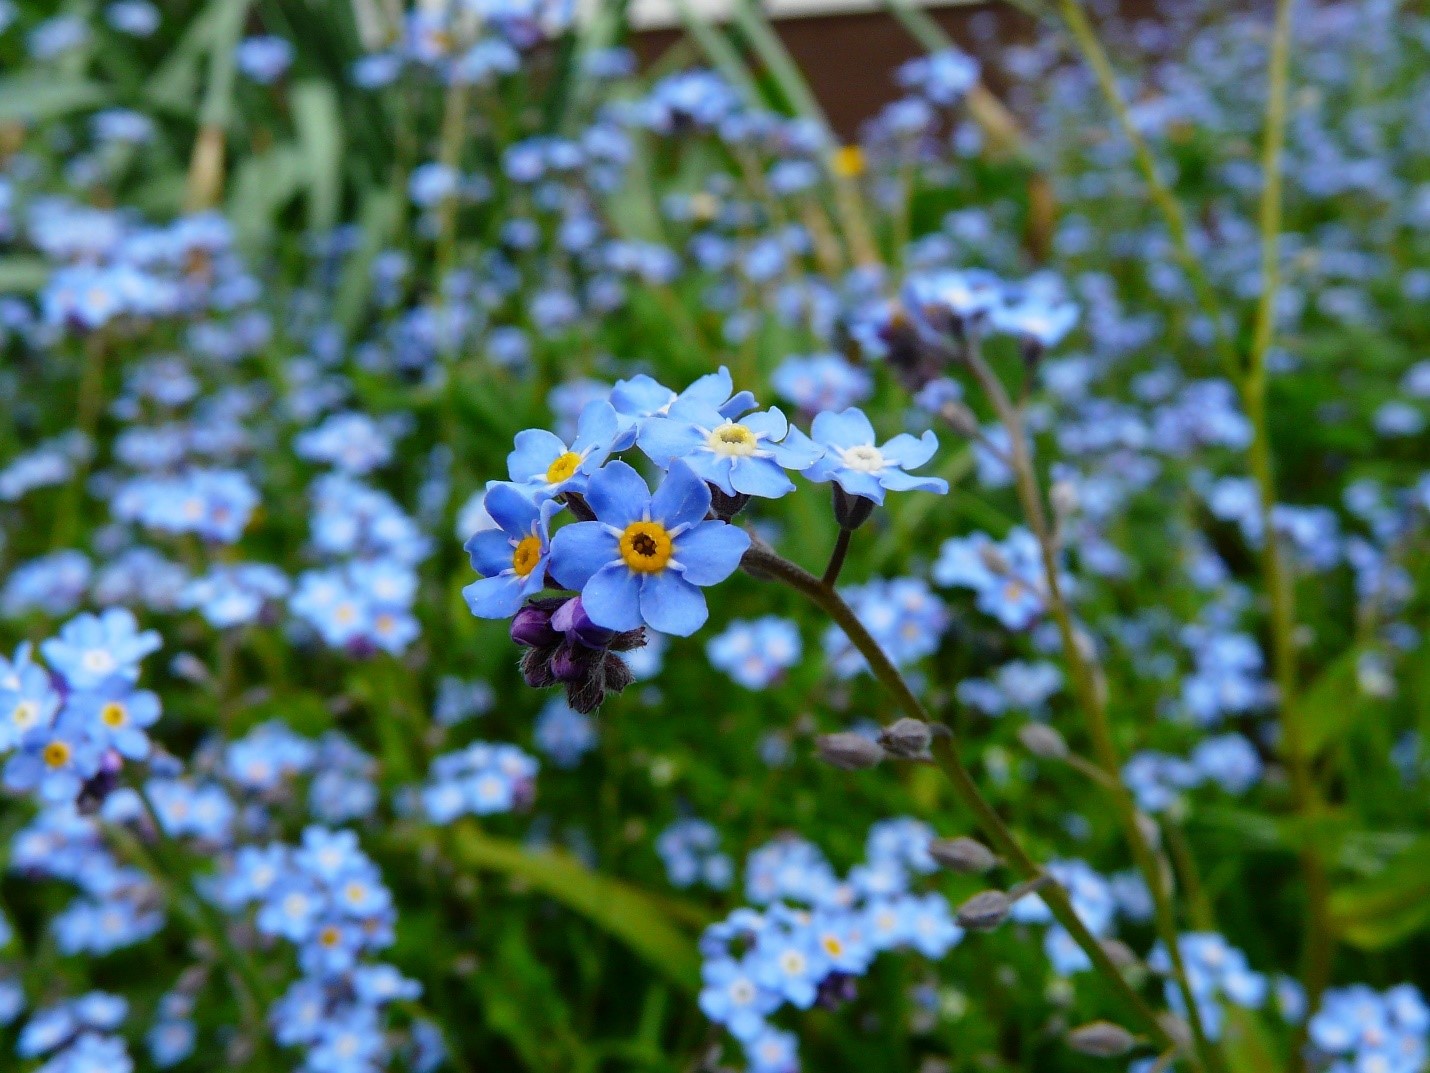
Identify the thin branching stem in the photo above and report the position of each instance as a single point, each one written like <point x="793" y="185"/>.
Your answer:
<point x="1090" y="694"/>
<point x="763" y="562"/>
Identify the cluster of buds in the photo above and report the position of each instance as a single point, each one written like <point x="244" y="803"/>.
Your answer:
<point x="564" y="647"/>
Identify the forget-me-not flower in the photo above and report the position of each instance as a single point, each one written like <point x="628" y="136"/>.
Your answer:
<point x="861" y="466"/>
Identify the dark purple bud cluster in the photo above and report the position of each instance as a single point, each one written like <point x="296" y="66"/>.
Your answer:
<point x="564" y="647"/>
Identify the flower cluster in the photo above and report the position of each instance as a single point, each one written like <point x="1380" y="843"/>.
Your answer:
<point x="327" y="898"/>
<point x="815" y="934"/>
<point x="1217" y="972"/>
<point x="690" y="851"/>
<point x="1357" y="1028"/>
<point x="70" y="728"/>
<point x="637" y="558"/>
<point x="482" y="779"/>
<point x="78" y="1036"/>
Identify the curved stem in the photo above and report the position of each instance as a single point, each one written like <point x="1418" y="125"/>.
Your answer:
<point x="1091" y="698"/>
<point x="836" y="557"/>
<point x="761" y="561"/>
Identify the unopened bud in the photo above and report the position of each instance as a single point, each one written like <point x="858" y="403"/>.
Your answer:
<point x="1064" y="498"/>
<point x="1101" y="1039"/>
<point x="1176" y="1028"/>
<point x="960" y="418"/>
<point x="848" y="751"/>
<point x="1042" y="740"/>
<point x="907" y="739"/>
<point x="967" y="856"/>
<point x="994" y="559"/>
<point x="851" y="511"/>
<point x="1119" y="953"/>
<point x="984" y="911"/>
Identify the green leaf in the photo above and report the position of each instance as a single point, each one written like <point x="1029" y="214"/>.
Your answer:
<point x="1378" y="912"/>
<point x="22" y="275"/>
<point x="320" y="139"/>
<point x="629" y="914"/>
<point x="521" y="1001"/>
<point x="35" y="98"/>
<point x="1332" y="701"/>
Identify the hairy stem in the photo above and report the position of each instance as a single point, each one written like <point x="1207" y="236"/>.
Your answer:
<point x="836" y="557"/>
<point x="762" y="562"/>
<point x="1091" y="698"/>
<point x="1318" y="942"/>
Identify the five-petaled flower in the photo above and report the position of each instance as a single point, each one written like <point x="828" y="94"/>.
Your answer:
<point x="740" y="456"/>
<point x="641" y="561"/>
<point x="545" y="466"/>
<point x="864" y="468"/>
<point x="511" y="558"/>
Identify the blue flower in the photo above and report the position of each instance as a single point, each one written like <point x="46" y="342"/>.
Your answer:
<point x="748" y="456"/>
<point x="56" y="761"/>
<point x="862" y="467"/>
<point x="115" y="714"/>
<point x="90" y="649"/>
<point x="511" y="558"/>
<point x="545" y="466"/>
<point x="642" y="559"/>
<point x="643" y="397"/>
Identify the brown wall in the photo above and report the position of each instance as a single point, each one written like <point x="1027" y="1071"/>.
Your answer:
<point x="849" y="60"/>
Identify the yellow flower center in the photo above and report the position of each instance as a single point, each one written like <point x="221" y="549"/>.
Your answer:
<point x="57" y="753"/>
<point x="524" y="558"/>
<point x="329" y="936"/>
<point x="646" y="547"/>
<point x="732" y="440"/>
<point x="113" y="714"/>
<point x="561" y="469"/>
<point x="832" y="945"/>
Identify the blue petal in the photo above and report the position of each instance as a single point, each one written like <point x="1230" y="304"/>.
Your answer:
<point x="665" y="439"/>
<point x="797" y="452"/>
<point x="612" y="598"/>
<point x="849" y="428"/>
<point x="760" y="477"/>
<point x="511" y="510"/>
<point x="712" y="468"/>
<point x="671" y="604"/>
<point x="738" y="404"/>
<point x="682" y="498"/>
<point x="579" y="550"/>
<point x="896" y="480"/>
<point x="711" y="551"/>
<point x="908" y="452"/>
<point x="640" y="396"/>
<point x="597" y="427"/>
<point x="535" y="450"/>
<point x="858" y="483"/>
<point x="771" y="423"/>
<point x="490" y="551"/>
<point x="494" y="597"/>
<point x="713" y="389"/>
<point x="617" y="494"/>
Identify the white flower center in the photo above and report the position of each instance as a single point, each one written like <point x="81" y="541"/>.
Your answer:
<point x="733" y="440"/>
<point x="866" y="458"/>
<point x="97" y="661"/>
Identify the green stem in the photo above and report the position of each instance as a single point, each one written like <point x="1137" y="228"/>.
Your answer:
<point x="167" y="861"/>
<point x="1091" y="697"/>
<point x="1318" y="943"/>
<point x="1162" y="197"/>
<point x="761" y="561"/>
<point x="88" y="404"/>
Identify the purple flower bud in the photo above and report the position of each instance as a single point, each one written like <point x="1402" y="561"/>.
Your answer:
<point x="571" y="619"/>
<point x="532" y="628"/>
